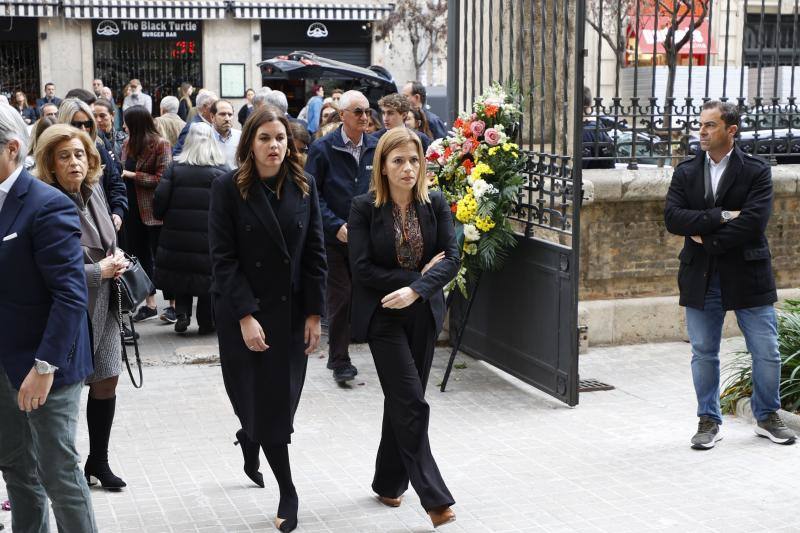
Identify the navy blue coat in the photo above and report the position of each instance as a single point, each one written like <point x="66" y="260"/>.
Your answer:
<point x="40" y="102"/>
<point x="43" y="294"/>
<point x="435" y="124"/>
<point x="339" y="177"/>
<point x="113" y="186"/>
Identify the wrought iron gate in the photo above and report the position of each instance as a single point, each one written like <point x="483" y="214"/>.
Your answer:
<point x="19" y="57"/>
<point x="524" y="319"/>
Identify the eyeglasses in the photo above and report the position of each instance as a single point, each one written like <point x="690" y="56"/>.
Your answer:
<point x="87" y="124"/>
<point x="358" y="111"/>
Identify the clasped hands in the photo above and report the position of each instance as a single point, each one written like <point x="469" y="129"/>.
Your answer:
<point x="113" y="266"/>
<point x="402" y="298"/>
<point x="256" y="340"/>
<point x="699" y="240"/>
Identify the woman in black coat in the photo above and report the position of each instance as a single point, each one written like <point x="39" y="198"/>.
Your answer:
<point x="182" y="198"/>
<point x="269" y="269"/>
<point x="402" y="253"/>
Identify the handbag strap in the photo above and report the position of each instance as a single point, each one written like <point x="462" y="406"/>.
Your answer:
<point x="122" y="339"/>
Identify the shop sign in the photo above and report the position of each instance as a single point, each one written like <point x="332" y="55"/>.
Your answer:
<point x="317" y="30"/>
<point x="145" y="29"/>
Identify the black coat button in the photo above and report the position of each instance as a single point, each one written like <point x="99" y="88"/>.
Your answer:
<point x="258" y="264"/>
<point x="299" y="224"/>
<point x="283" y="298"/>
<point x="258" y="300"/>
<point x="248" y="227"/>
<point x="285" y="261"/>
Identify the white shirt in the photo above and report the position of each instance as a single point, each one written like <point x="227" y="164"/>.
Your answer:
<point x="716" y="170"/>
<point x="228" y="145"/>
<point x="5" y="187"/>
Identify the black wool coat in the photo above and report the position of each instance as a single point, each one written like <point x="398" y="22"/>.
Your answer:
<point x="738" y="250"/>
<point x="373" y="258"/>
<point x="182" y="199"/>
<point x="272" y="266"/>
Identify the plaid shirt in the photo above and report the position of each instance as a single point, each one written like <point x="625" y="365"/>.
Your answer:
<point x="350" y="146"/>
<point x="149" y="167"/>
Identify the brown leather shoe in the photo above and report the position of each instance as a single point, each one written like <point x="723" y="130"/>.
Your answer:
<point x="390" y="502"/>
<point x="441" y="516"/>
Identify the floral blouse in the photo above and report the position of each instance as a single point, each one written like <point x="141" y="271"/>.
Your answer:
<point x="408" y="241"/>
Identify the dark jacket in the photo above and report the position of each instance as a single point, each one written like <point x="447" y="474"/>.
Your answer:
<point x="272" y="266"/>
<point x="738" y="250"/>
<point x="178" y="148"/>
<point x="373" y="259"/>
<point x="424" y="139"/>
<point x="596" y="144"/>
<point x="113" y="186"/>
<point x="435" y="124"/>
<point x="244" y="112"/>
<point x="43" y="295"/>
<point x="29" y="114"/>
<point x="40" y="102"/>
<point x="339" y="177"/>
<point x="182" y="199"/>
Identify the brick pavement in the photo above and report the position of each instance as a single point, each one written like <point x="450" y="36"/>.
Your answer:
<point x="515" y="460"/>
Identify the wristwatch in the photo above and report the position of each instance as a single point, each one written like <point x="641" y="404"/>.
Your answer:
<point x="43" y="367"/>
<point x="726" y="216"/>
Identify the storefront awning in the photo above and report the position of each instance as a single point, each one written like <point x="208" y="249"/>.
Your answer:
<point x="294" y="10"/>
<point x="141" y="9"/>
<point x="700" y="43"/>
<point x="29" y="8"/>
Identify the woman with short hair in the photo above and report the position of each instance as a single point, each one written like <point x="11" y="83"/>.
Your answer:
<point x="403" y="252"/>
<point x="269" y="269"/>
<point x="68" y="159"/>
<point x="182" y="198"/>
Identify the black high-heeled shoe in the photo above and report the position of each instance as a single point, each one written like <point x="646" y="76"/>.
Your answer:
<point x="102" y="472"/>
<point x="250" y="451"/>
<point x="287" y="507"/>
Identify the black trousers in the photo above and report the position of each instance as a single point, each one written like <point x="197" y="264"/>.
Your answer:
<point x="142" y="241"/>
<point x="338" y="296"/>
<point x="183" y="306"/>
<point x="402" y="343"/>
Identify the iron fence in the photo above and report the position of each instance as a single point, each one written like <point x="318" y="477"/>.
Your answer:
<point x="652" y="64"/>
<point x="19" y="58"/>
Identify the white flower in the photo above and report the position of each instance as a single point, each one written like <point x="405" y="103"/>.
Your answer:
<point x="471" y="233"/>
<point x="479" y="187"/>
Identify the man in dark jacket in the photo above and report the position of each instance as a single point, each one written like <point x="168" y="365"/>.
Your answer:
<point x="721" y="201"/>
<point x="341" y="164"/>
<point x="46" y="350"/>
<point x="417" y="95"/>
<point x="394" y="108"/>
<point x="49" y="97"/>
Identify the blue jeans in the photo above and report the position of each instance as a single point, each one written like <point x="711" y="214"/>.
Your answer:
<point x="760" y="330"/>
<point x="39" y="460"/>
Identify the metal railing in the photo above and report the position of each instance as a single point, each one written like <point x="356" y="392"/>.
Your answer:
<point x="653" y="63"/>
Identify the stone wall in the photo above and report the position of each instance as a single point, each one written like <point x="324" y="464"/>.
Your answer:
<point x="626" y="252"/>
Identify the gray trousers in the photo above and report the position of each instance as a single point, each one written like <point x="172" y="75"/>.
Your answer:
<point x="39" y="461"/>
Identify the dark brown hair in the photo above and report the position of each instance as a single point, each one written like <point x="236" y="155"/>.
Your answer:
<point x="142" y="130"/>
<point x="247" y="175"/>
<point x="422" y="122"/>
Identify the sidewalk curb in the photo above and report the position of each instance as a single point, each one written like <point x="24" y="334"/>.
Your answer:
<point x="743" y="410"/>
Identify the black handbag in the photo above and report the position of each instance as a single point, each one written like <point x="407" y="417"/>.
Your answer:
<point x="134" y="285"/>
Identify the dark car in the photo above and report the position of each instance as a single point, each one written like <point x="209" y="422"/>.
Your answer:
<point x="301" y="68"/>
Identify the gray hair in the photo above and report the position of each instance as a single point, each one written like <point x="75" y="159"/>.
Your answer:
<point x="70" y="106"/>
<point x="206" y="98"/>
<point x="169" y="104"/>
<point x="349" y="97"/>
<point x="278" y="99"/>
<point x="4" y="99"/>
<point x="200" y="148"/>
<point x="12" y="128"/>
<point x="260" y="97"/>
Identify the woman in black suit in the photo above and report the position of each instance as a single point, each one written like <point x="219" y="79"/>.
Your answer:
<point x="403" y="251"/>
<point x="269" y="270"/>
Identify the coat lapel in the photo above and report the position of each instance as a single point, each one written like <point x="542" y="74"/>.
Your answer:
<point x="728" y="178"/>
<point x="13" y="202"/>
<point x="258" y="203"/>
<point x="387" y="220"/>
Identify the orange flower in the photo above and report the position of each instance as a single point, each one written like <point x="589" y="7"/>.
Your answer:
<point x="448" y="152"/>
<point x="453" y="208"/>
<point x="457" y="123"/>
<point x="491" y="110"/>
<point x="468" y="165"/>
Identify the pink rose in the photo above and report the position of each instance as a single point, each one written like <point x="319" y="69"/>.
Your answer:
<point x="468" y="146"/>
<point x="477" y="128"/>
<point x="492" y="136"/>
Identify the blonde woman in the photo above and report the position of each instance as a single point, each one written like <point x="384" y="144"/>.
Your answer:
<point x="67" y="159"/>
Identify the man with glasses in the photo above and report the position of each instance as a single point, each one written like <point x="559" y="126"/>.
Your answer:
<point x="341" y="164"/>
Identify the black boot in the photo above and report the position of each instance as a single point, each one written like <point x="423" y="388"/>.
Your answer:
<point x="250" y="451"/>
<point x="278" y="457"/>
<point x="100" y="417"/>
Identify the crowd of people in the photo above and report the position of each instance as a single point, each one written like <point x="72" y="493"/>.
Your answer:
<point x="269" y="227"/>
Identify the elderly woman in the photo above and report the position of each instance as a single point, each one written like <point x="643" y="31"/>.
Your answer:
<point x="67" y="159"/>
<point x="268" y="260"/>
<point x="183" y="264"/>
<point x="403" y="252"/>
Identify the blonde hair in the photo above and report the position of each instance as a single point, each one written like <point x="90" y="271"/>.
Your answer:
<point x="379" y="184"/>
<point x="71" y="106"/>
<point x="46" y="147"/>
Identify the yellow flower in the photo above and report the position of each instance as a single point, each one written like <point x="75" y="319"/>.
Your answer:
<point x="470" y="248"/>
<point x="493" y="150"/>
<point x="479" y="170"/>
<point x="466" y="207"/>
<point x="484" y="223"/>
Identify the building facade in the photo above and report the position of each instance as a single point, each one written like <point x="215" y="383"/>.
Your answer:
<point x="215" y="44"/>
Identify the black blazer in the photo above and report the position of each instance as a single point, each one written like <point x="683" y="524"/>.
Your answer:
<point x="738" y="250"/>
<point x="373" y="259"/>
<point x="254" y="267"/>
